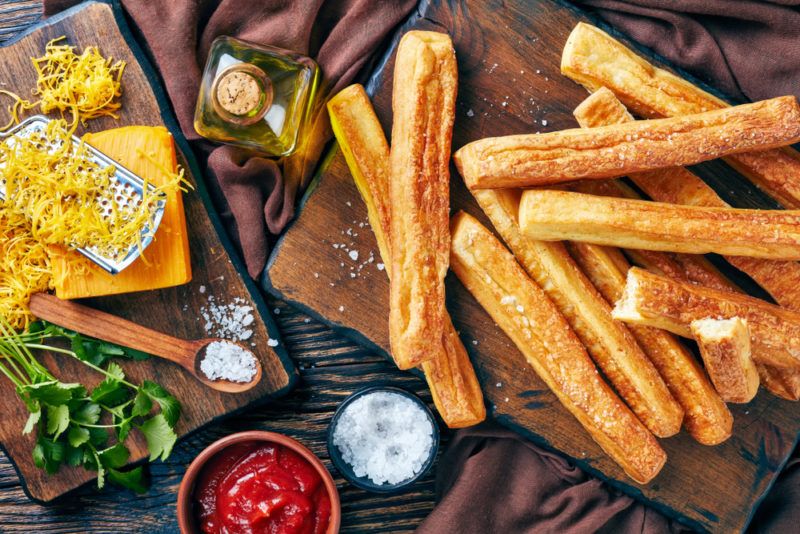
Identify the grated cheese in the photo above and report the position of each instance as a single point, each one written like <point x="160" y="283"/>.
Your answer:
<point x="67" y="198"/>
<point x="24" y="268"/>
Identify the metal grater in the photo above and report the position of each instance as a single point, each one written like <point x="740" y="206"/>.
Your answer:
<point x="127" y="189"/>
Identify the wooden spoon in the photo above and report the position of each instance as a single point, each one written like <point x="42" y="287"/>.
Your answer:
<point x="107" y="327"/>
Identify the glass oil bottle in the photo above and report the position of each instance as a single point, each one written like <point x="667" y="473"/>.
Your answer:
<point x="255" y="96"/>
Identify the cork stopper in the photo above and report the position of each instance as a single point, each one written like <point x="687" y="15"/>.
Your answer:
<point x="242" y="93"/>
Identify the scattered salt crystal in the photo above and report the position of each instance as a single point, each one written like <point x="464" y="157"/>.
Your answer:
<point x="381" y="266"/>
<point x="272" y="342"/>
<point x="316" y="275"/>
<point x="202" y="289"/>
<point x="228" y="321"/>
<point x="349" y="203"/>
<point x="353" y="255"/>
<point x="474" y="341"/>
<point x="384" y="436"/>
<point x="341" y="308"/>
<point x="470" y="113"/>
<point x="499" y="384"/>
<point x="306" y="320"/>
<point x="544" y="122"/>
<point x="277" y="311"/>
<point x="228" y="361"/>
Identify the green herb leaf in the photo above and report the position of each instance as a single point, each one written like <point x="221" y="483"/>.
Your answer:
<point x="33" y="419"/>
<point x="98" y="436"/>
<point x="123" y="429"/>
<point x="159" y="435"/>
<point x="74" y="456"/>
<point x="133" y="479"/>
<point x="110" y="392"/>
<point x="142" y="405"/>
<point x="48" y="454"/>
<point x="136" y="355"/>
<point x="77" y="436"/>
<point x="52" y="392"/>
<point x="88" y="414"/>
<point x="115" y="456"/>
<point x="170" y="406"/>
<point x="57" y="420"/>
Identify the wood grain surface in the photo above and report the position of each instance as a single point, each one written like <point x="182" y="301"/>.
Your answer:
<point x="331" y="367"/>
<point x="509" y="55"/>
<point x="176" y="311"/>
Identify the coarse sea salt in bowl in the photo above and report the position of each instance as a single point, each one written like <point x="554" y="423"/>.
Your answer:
<point x="383" y="439"/>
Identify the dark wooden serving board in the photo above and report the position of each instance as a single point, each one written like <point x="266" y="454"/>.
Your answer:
<point x="509" y="54"/>
<point x="175" y="310"/>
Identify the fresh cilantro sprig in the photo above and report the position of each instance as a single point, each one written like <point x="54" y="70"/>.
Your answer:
<point x="79" y="427"/>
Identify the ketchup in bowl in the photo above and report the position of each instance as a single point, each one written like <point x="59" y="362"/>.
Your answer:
<point x="261" y="487"/>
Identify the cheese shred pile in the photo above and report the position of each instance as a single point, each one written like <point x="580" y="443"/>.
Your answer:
<point x="24" y="268"/>
<point x="68" y="199"/>
<point x="87" y="85"/>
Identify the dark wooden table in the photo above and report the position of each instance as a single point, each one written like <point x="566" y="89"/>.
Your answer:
<point x="331" y="368"/>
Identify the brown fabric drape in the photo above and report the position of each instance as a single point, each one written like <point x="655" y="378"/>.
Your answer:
<point x="341" y="35"/>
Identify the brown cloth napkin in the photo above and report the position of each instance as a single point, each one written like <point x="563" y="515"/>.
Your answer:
<point x="749" y="49"/>
<point x="341" y="35"/>
<point x="492" y="480"/>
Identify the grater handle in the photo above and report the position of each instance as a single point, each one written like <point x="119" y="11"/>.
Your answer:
<point x="112" y="329"/>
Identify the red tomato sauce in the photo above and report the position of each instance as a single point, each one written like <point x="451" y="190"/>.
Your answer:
<point x="258" y="487"/>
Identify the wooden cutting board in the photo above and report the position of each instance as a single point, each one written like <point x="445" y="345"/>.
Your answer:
<point x="509" y="55"/>
<point x="176" y="311"/>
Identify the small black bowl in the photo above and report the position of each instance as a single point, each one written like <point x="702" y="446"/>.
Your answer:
<point x="364" y="482"/>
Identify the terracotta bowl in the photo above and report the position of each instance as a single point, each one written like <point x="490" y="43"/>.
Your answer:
<point x="187" y="520"/>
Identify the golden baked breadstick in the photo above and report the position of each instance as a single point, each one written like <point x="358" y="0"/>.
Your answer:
<point x="783" y="383"/>
<point x="725" y="348"/>
<point x="423" y="101"/>
<point x="707" y="419"/>
<point x="679" y="186"/>
<point x="611" y="151"/>
<point x="608" y="342"/>
<point x="450" y="375"/>
<point x="531" y="320"/>
<point x="559" y="215"/>
<point x="653" y="300"/>
<point x="595" y="59"/>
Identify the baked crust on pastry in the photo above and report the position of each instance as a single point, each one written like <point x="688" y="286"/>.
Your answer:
<point x="449" y="373"/>
<point x="609" y="343"/>
<point x="707" y="418"/>
<point x="679" y="186"/>
<point x="423" y="102"/>
<point x="594" y="59"/>
<point x="725" y="348"/>
<point x="610" y="151"/>
<point x="660" y="302"/>
<point x="524" y="312"/>
<point x="628" y="223"/>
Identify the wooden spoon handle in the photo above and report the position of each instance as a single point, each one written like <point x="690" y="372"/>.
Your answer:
<point x="112" y="329"/>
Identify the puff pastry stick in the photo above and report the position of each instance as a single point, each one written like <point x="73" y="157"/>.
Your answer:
<point x="609" y="343"/>
<point x="725" y="348"/>
<point x="450" y="374"/>
<point x="653" y="300"/>
<point x="707" y="418"/>
<point x="594" y="59"/>
<point x="611" y="151"/>
<point x="540" y="332"/>
<point x="627" y="223"/>
<point x="679" y="186"/>
<point x="423" y="102"/>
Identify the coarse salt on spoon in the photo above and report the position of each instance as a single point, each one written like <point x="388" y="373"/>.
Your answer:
<point x="188" y="354"/>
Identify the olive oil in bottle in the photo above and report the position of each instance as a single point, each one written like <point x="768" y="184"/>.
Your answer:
<point x="255" y="96"/>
